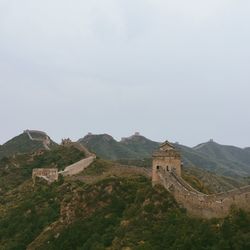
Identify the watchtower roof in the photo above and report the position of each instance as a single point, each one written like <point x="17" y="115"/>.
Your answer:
<point x="166" y="146"/>
<point x="166" y="149"/>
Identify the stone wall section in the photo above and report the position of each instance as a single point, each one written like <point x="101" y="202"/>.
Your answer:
<point x="49" y="174"/>
<point x="45" y="140"/>
<point x="167" y="172"/>
<point x="78" y="167"/>
<point x="202" y="205"/>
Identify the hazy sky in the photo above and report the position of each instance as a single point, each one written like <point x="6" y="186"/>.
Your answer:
<point x="171" y="69"/>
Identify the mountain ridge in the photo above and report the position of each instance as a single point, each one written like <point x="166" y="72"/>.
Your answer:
<point x="221" y="159"/>
<point x="211" y="156"/>
<point x="26" y="142"/>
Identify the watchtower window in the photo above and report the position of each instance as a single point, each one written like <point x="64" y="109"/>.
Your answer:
<point x="158" y="167"/>
<point x="167" y="168"/>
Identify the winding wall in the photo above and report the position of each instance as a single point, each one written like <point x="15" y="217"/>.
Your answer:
<point x="78" y="167"/>
<point x="45" y="140"/>
<point x="202" y="205"/>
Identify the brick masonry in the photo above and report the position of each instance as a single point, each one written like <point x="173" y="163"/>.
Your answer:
<point x="166" y="171"/>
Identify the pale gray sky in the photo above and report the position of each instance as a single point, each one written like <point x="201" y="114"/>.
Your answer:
<point x="171" y="69"/>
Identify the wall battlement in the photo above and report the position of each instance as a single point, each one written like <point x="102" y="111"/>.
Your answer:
<point x="167" y="172"/>
<point x="48" y="174"/>
<point x="36" y="135"/>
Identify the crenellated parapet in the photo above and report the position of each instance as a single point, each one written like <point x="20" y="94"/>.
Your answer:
<point x="166" y="158"/>
<point x="167" y="172"/>
<point x="48" y="174"/>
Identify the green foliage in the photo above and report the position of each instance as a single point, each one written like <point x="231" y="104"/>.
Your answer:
<point x="146" y="162"/>
<point x="223" y="160"/>
<point x="195" y="183"/>
<point x="28" y="217"/>
<point x="59" y="157"/>
<point x="15" y="170"/>
<point x="139" y="217"/>
<point x="97" y="167"/>
<point x="106" y="147"/>
<point x="21" y="144"/>
<point x="113" y="214"/>
<point x="220" y="159"/>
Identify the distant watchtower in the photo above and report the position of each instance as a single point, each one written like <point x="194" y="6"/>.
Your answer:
<point x="166" y="158"/>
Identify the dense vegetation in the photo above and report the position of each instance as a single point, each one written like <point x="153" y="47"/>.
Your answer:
<point x="115" y="213"/>
<point x="26" y="213"/>
<point x="146" y="162"/>
<point x="15" y="170"/>
<point x="104" y="207"/>
<point x="129" y="213"/>
<point x="208" y="182"/>
<point x="20" y="144"/>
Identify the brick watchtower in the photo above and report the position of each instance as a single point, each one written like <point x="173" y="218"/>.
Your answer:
<point x="166" y="158"/>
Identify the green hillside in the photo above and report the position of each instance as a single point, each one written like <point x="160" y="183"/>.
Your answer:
<point x="142" y="146"/>
<point x="137" y="150"/>
<point x="209" y="182"/>
<point x="21" y="144"/>
<point x="15" y="170"/>
<point x="112" y="213"/>
<point x="106" y="147"/>
<point x="230" y="160"/>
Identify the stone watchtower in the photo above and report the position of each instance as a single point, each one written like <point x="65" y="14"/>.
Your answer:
<point x="166" y="158"/>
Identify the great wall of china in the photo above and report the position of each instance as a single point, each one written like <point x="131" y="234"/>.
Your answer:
<point x="42" y="137"/>
<point x="167" y="172"/>
<point x="51" y="174"/>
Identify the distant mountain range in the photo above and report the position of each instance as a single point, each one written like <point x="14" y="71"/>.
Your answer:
<point x="133" y="147"/>
<point x="210" y="156"/>
<point x="224" y="160"/>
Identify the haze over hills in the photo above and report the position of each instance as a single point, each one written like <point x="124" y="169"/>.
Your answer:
<point x="226" y="156"/>
<point x="220" y="159"/>
<point x="133" y="147"/>
<point x="142" y="146"/>
<point x="224" y="160"/>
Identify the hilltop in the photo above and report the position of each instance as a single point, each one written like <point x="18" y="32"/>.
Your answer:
<point x="230" y="159"/>
<point x="105" y="146"/>
<point x="223" y="160"/>
<point x="218" y="166"/>
<point x="27" y="142"/>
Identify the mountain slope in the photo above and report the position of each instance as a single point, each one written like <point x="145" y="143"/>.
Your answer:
<point x="133" y="147"/>
<point x="14" y="170"/>
<point x="23" y="144"/>
<point x="106" y="147"/>
<point x="223" y="160"/>
<point x="140" y="145"/>
<point x="229" y="159"/>
<point x="111" y="214"/>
